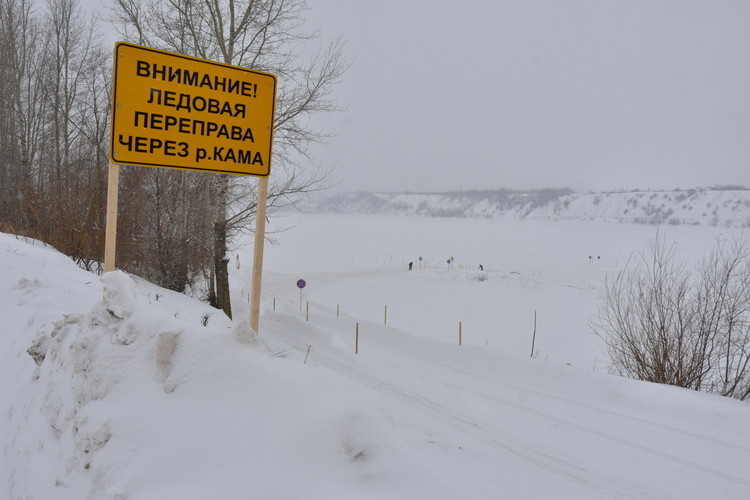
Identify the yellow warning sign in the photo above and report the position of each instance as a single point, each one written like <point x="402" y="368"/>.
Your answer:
<point x="175" y="111"/>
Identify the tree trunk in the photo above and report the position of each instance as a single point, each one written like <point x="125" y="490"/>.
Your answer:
<point x="221" y="261"/>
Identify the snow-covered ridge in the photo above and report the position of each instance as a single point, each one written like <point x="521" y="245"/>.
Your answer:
<point x="725" y="207"/>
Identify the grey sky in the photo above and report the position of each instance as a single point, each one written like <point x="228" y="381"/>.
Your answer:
<point x="590" y="94"/>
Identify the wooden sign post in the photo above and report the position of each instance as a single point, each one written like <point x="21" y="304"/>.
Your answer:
<point x="110" y="232"/>
<point x="260" y="237"/>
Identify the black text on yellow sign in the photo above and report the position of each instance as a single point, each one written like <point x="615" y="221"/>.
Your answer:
<point x="175" y="111"/>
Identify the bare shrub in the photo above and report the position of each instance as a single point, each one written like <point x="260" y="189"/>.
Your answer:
<point x="724" y="311"/>
<point x="663" y="323"/>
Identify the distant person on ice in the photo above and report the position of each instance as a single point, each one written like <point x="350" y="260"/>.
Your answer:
<point x="410" y="264"/>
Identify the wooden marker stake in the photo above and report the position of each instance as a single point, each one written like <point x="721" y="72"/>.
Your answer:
<point x="260" y="238"/>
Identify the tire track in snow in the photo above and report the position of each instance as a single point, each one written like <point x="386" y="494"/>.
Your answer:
<point x="476" y="429"/>
<point x="569" y="401"/>
<point x="558" y="419"/>
<point x="488" y="433"/>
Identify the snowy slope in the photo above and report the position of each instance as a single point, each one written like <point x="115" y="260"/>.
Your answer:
<point x="134" y="398"/>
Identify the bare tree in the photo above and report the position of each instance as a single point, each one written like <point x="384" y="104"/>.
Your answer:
<point x="665" y="324"/>
<point x="263" y="35"/>
<point x="52" y="71"/>
<point x="19" y="116"/>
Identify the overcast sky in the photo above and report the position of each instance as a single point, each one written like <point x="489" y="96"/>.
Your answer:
<point x="588" y="94"/>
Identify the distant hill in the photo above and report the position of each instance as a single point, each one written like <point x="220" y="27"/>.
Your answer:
<point x="719" y="206"/>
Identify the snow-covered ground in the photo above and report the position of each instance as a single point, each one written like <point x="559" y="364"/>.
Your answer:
<point x="141" y="393"/>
